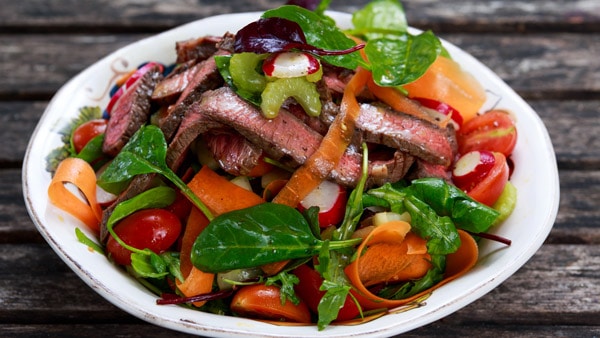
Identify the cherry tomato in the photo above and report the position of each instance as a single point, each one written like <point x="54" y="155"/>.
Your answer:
<point x="263" y="301"/>
<point x="87" y="131"/>
<point x="491" y="186"/>
<point x="493" y="131"/>
<point x="308" y="290"/>
<point x="181" y="206"/>
<point x="154" y="229"/>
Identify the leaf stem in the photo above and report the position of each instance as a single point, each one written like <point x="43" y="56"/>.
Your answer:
<point x="188" y="192"/>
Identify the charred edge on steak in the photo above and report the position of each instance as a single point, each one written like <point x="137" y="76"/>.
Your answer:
<point x="196" y="49"/>
<point x="205" y="77"/>
<point x="130" y="112"/>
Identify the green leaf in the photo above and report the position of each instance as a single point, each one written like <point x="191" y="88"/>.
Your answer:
<point x="448" y="200"/>
<point x="255" y="236"/>
<point x="440" y="233"/>
<point x="158" y="197"/>
<point x="379" y="18"/>
<point x="402" y="59"/>
<point x="92" y="150"/>
<point x="148" y="264"/>
<point x="145" y="153"/>
<point x="285" y="281"/>
<point x="331" y="302"/>
<point x="83" y="239"/>
<point x="322" y="33"/>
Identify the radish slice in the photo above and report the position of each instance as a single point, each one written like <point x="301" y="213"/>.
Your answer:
<point x="443" y="109"/>
<point x="331" y="199"/>
<point x="290" y="64"/>
<point x="471" y="168"/>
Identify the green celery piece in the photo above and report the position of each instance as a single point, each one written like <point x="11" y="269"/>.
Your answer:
<point x="506" y="203"/>
<point x="262" y="234"/>
<point x="321" y="33"/>
<point x="402" y="59"/>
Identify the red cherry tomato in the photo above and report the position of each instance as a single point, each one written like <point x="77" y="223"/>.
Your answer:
<point x="154" y="229"/>
<point x="180" y="207"/>
<point x="493" y="131"/>
<point x="263" y="301"/>
<point x="261" y="168"/>
<point x="490" y="187"/>
<point x="87" y="131"/>
<point x="308" y="290"/>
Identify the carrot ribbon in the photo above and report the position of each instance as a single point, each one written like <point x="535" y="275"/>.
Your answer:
<point x="79" y="173"/>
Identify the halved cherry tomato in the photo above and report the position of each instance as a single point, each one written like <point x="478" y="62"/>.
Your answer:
<point x="181" y="206"/>
<point x="491" y="186"/>
<point x="154" y="229"/>
<point x="263" y="302"/>
<point x="493" y="131"/>
<point x="308" y="290"/>
<point x="87" y="131"/>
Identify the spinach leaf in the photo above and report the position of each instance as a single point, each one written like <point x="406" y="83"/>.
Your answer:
<point x="379" y="18"/>
<point x="448" y="200"/>
<point x="258" y="235"/>
<point x="145" y="153"/>
<point x="322" y="33"/>
<point x="158" y="197"/>
<point x="92" y="151"/>
<point x="403" y="58"/>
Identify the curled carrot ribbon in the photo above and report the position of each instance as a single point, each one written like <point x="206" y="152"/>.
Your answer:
<point x="79" y="173"/>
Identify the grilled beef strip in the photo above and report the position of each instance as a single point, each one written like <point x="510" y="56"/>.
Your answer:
<point x="284" y="138"/>
<point x="232" y="151"/>
<point x="206" y="76"/>
<point x="130" y="112"/>
<point x="196" y="49"/>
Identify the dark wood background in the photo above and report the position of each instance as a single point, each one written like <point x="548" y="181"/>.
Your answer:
<point x="547" y="50"/>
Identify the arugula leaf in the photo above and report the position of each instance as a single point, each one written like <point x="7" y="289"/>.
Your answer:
<point x="403" y="58"/>
<point x="285" y="281"/>
<point x="145" y="153"/>
<point x="255" y="236"/>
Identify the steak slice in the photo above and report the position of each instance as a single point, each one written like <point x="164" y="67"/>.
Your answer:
<point x="130" y="112"/>
<point x="287" y="139"/>
<point x="170" y="88"/>
<point x="409" y="134"/>
<point x="206" y="77"/>
<point x="234" y="153"/>
<point x="196" y="49"/>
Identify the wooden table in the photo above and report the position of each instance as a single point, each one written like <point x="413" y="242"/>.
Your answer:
<point x="547" y="50"/>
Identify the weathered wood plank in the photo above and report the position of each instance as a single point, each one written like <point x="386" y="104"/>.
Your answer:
<point x="154" y="15"/>
<point x="437" y="329"/>
<point x="558" y="286"/>
<point x="544" y="66"/>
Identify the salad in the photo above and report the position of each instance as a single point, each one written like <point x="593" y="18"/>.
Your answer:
<point x="293" y="172"/>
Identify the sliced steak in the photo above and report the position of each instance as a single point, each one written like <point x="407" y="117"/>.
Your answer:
<point x="206" y="77"/>
<point x="130" y="112"/>
<point x="196" y="49"/>
<point x="234" y="153"/>
<point x="414" y="136"/>
<point x="288" y="140"/>
<point x="170" y="88"/>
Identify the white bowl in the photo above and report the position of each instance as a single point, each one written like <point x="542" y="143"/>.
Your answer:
<point x="535" y="177"/>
